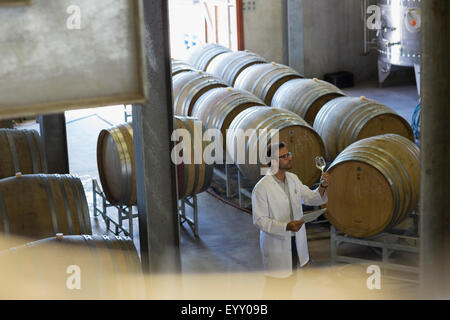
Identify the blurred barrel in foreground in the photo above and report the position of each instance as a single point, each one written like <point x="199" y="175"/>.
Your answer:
<point x="179" y="66"/>
<point x="38" y="206"/>
<point x="304" y="143"/>
<point x="345" y="120"/>
<point x="218" y="107"/>
<point x="375" y="185"/>
<point x="228" y="66"/>
<point x="188" y="87"/>
<point x="263" y="80"/>
<point x="22" y="151"/>
<point x="73" y="267"/>
<point x="115" y="162"/>
<point x="305" y="97"/>
<point x="203" y="55"/>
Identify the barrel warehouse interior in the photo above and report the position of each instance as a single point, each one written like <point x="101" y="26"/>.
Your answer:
<point x="133" y="134"/>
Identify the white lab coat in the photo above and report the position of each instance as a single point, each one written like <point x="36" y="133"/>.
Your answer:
<point x="271" y="214"/>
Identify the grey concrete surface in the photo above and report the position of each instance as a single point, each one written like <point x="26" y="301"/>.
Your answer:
<point x="323" y="36"/>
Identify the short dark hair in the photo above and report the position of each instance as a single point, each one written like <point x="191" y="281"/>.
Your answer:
<point x="269" y="150"/>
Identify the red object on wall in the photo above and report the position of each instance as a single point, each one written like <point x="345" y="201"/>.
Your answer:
<point x="240" y="24"/>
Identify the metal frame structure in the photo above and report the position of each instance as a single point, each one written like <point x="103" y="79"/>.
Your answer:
<point x="242" y="191"/>
<point x="127" y="114"/>
<point x="192" y="222"/>
<point x="384" y="244"/>
<point x="123" y="212"/>
<point x="126" y="213"/>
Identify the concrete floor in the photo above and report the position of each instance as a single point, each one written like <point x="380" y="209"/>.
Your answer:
<point x="228" y="242"/>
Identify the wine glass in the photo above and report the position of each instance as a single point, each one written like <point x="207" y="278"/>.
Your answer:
<point x="320" y="163"/>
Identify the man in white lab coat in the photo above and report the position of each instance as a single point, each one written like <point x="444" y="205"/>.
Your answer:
<point x="277" y="212"/>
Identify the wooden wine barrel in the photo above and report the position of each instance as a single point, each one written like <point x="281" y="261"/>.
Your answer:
<point x="38" y="206"/>
<point x="197" y="177"/>
<point x="115" y="161"/>
<point x="218" y="107"/>
<point x="179" y="66"/>
<point x="263" y="80"/>
<point x="22" y="151"/>
<point x="345" y="120"/>
<point x="188" y="87"/>
<point x="375" y="185"/>
<point x="108" y="268"/>
<point x="305" y="97"/>
<point x="300" y="138"/>
<point x="203" y="55"/>
<point x="228" y="66"/>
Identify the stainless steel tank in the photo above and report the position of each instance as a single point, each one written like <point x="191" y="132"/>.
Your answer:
<point x="399" y="36"/>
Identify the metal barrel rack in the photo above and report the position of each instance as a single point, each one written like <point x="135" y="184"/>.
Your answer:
<point x="243" y="184"/>
<point x="191" y="222"/>
<point x="123" y="213"/>
<point x="384" y="244"/>
<point x="127" y="114"/>
<point x="126" y="213"/>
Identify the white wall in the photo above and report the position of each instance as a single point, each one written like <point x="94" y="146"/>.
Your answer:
<point x="323" y="35"/>
<point x="263" y="28"/>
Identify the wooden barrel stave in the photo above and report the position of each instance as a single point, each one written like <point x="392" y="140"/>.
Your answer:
<point x="305" y="97"/>
<point x="22" y="152"/>
<point x="299" y="137"/>
<point x="37" y="206"/>
<point x="263" y="80"/>
<point x="202" y="56"/>
<point x="228" y="66"/>
<point x="390" y="163"/>
<point x="188" y="87"/>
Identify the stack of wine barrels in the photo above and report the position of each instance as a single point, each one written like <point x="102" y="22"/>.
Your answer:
<point x="376" y="185"/>
<point x="255" y="84"/>
<point x="373" y="147"/>
<point x="34" y="204"/>
<point x="345" y="120"/>
<point x="73" y="267"/>
<point x="300" y="138"/>
<point x="115" y="161"/>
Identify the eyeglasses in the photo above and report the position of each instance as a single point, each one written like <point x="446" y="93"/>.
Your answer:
<point x="285" y="156"/>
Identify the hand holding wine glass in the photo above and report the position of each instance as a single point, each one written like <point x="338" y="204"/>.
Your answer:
<point x="321" y="164"/>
